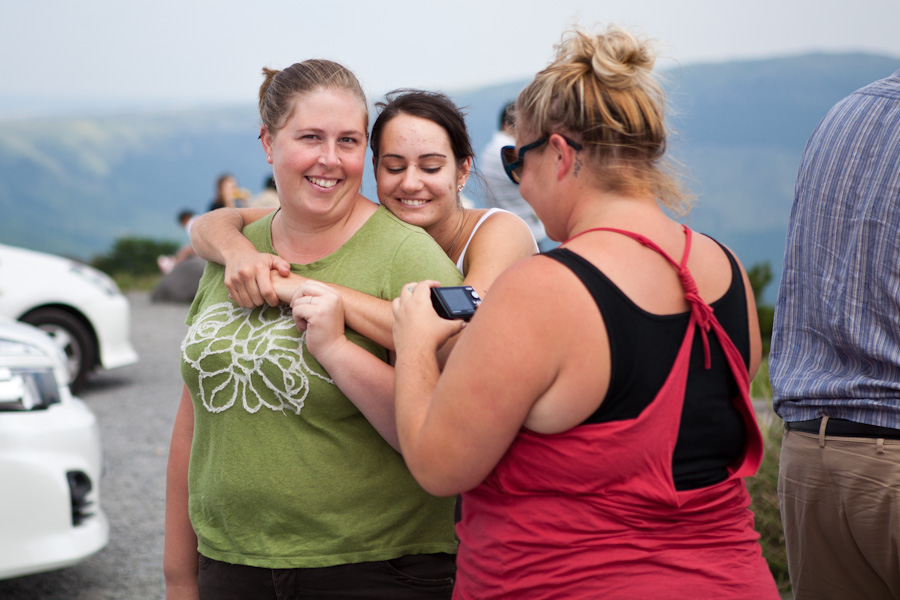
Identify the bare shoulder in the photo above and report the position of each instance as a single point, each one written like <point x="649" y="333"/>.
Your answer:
<point x="506" y="221"/>
<point x="539" y="292"/>
<point x="559" y="340"/>
<point x="707" y="248"/>
<point x="538" y="278"/>
<point x="504" y="229"/>
<point x="710" y="265"/>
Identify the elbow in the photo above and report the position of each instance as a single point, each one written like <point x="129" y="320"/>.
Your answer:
<point x="438" y="488"/>
<point x="440" y="482"/>
<point x="441" y="488"/>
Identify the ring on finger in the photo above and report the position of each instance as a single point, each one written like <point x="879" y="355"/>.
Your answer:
<point x="410" y="288"/>
<point x="310" y="300"/>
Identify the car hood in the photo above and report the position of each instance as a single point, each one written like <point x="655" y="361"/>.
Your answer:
<point x="52" y="279"/>
<point x="33" y="256"/>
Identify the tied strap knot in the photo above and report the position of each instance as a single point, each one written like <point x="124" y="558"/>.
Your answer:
<point x="701" y="312"/>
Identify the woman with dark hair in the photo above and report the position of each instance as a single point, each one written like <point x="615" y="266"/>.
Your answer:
<point x="596" y="415"/>
<point x="228" y="194"/>
<point x="422" y="157"/>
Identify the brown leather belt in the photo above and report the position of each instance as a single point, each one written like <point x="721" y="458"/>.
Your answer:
<point x="844" y="428"/>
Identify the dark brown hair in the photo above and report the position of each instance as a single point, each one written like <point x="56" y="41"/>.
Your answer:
<point x="433" y="106"/>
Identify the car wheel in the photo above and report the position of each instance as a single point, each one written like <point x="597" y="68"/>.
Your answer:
<point x="74" y="339"/>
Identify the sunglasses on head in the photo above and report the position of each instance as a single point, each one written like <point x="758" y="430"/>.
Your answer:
<point x="512" y="162"/>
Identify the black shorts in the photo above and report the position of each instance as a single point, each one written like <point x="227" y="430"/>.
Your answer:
<point x="414" y="577"/>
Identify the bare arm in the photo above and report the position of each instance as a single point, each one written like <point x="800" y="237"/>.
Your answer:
<point x="433" y="432"/>
<point x="184" y="253"/>
<point x="180" y="555"/>
<point x="364" y="378"/>
<point x="216" y="236"/>
<point x="501" y="241"/>
<point x="365" y="314"/>
<point x="753" y="324"/>
<point x="455" y="427"/>
<point x="255" y="278"/>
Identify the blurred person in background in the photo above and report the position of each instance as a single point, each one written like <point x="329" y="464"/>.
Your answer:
<point x="228" y="193"/>
<point x="167" y="263"/>
<point x="268" y="197"/>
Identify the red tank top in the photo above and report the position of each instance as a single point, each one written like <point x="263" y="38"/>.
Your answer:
<point x="593" y="512"/>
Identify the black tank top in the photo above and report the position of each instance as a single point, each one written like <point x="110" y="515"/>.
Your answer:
<point x="643" y="347"/>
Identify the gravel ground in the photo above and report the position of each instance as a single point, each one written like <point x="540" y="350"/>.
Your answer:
<point x="135" y="407"/>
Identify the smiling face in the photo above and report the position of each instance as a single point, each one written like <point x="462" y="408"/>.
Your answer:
<point x="417" y="174"/>
<point x="318" y="155"/>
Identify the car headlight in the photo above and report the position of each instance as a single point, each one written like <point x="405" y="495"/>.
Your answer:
<point x="26" y="388"/>
<point x="98" y="278"/>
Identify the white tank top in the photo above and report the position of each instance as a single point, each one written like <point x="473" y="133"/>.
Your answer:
<point x="459" y="263"/>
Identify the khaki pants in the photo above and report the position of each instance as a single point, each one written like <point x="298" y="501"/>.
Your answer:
<point x="840" y="505"/>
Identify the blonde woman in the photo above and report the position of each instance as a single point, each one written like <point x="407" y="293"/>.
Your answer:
<point x="595" y="415"/>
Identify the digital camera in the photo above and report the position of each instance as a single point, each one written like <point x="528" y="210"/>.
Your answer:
<point x="455" y="302"/>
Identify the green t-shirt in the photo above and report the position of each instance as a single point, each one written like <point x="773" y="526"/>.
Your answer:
<point x="285" y="472"/>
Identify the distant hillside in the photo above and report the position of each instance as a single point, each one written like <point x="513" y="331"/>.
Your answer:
<point x="71" y="186"/>
<point x="742" y="127"/>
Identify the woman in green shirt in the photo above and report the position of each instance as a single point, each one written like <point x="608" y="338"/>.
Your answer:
<point x="280" y="481"/>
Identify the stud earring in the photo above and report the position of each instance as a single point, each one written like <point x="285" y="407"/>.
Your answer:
<point x="268" y="157"/>
<point x="460" y="187"/>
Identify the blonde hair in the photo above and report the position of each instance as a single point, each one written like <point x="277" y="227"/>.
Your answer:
<point x="279" y="89"/>
<point x="601" y="91"/>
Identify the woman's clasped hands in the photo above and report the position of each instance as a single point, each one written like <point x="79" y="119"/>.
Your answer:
<point x="319" y="311"/>
<point x="250" y="278"/>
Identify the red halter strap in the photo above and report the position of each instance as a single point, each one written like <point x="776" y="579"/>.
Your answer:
<point x="700" y="310"/>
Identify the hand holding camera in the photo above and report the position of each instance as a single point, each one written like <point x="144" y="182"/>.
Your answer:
<point x="455" y="302"/>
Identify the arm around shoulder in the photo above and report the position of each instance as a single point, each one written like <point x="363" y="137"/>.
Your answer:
<point x="214" y="233"/>
<point x="217" y="237"/>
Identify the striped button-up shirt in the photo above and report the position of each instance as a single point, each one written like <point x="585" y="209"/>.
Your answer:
<point x="836" y="339"/>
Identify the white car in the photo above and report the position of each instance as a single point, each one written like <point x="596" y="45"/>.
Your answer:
<point x="81" y="307"/>
<point x="50" y="459"/>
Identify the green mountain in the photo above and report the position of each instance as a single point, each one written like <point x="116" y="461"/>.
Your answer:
<point x="742" y="129"/>
<point x="71" y="186"/>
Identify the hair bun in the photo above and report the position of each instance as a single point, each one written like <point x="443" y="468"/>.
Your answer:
<point x="618" y="58"/>
<point x="602" y="91"/>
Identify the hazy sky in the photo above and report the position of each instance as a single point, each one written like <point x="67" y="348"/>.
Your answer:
<point x="199" y="51"/>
